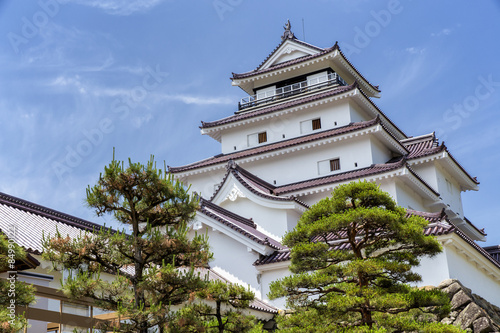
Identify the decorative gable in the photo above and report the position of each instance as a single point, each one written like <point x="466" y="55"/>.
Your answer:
<point x="290" y="49"/>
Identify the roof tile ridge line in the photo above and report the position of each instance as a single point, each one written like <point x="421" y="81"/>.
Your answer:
<point x="418" y="137"/>
<point x="313" y="97"/>
<point x="421" y="179"/>
<point x="471" y="242"/>
<point x="481" y="231"/>
<point x="341" y="173"/>
<point x="426" y="214"/>
<point x="241" y="230"/>
<point x="474" y="179"/>
<point x="427" y="152"/>
<point x="337" y="47"/>
<point x="270" y="196"/>
<point x="253" y="190"/>
<point x="375" y="167"/>
<point x="382" y="112"/>
<point x="239" y="218"/>
<point x="379" y="121"/>
<point x="253" y="177"/>
<point x="43" y="211"/>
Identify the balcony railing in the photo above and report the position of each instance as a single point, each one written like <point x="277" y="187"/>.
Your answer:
<point x="292" y="89"/>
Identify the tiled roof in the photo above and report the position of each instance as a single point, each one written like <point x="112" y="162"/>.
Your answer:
<point x="256" y="304"/>
<point x="421" y="146"/>
<point x="427" y="145"/>
<point x="254" y="184"/>
<point x="341" y="177"/>
<point x="299" y="60"/>
<point x="438" y="225"/>
<point x="238" y="223"/>
<point x="224" y="158"/>
<point x="283" y="64"/>
<point x="30" y="220"/>
<point x="266" y="110"/>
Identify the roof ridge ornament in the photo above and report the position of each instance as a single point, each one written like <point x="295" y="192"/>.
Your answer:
<point x="288" y="34"/>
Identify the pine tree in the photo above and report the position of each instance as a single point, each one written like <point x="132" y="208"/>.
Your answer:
<point x="153" y="266"/>
<point x="218" y="308"/>
<point x="351" y="259"/>
<point x="13" y="293"/>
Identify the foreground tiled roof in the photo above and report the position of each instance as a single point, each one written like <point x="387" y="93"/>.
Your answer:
<point x="266" y="110"/>
<point x="224" y="158"/>
<point x="238" y="223"/>
<point x="254" y="184"/>
<point x="427" y="145"/>
<point x="31" y="220"/>
<point x="438" y="225"/>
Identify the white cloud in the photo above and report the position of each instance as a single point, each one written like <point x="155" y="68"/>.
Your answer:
<point x="120" y="7"/>
<point x="199" y="100"/>
<point x="443" y="32"/>
<point x="415" y="50"/>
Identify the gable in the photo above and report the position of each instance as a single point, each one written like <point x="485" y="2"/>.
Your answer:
<point x="289" y="50"/>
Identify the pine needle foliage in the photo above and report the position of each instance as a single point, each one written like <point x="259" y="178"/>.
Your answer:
<point x="153" y="264"/>
<point x="219" y="307"/>
<point x="21" y="293"/>
<point x="352" y="256"/>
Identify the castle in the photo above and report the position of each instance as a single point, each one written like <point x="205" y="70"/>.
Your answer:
<point x="309" y="123"/>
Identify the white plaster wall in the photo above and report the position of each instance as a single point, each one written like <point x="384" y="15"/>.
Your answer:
<point x="292" y="219"/>
<point x="407" y="197"/>
<point x="204" y="183"/>
<point x="427" y="171"/>
<point x="451" y="196"/>
<point x="433" y="270"/>
<point x="472" y="277"/>
<point x="272" y="220"/>
<point x="380" y="153"/>
<point x="303" y="165"/>
<point x="334" y="114"/>
<point x="269" y="276"/>
<point x="232" y="256"/>
<point x="357" y="114"/>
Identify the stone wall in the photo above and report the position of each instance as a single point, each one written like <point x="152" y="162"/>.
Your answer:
<point x="470" y="311"/>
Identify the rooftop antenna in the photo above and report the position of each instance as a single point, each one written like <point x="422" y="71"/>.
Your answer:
<point x="303" y="30"/>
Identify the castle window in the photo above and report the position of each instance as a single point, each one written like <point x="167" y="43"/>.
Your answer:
<point x="308" y="126"/>
<point x="327" y="166"/>
<point x="316" y="124"/>
<point x="262" y="137"/>
<point x="256" y="138"/>
<point x="335" y="164"/>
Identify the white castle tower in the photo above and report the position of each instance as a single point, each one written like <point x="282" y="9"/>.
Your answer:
<point x="308" y="125"/>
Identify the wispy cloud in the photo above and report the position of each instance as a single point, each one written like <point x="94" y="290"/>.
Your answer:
<point x="442" y="32"/>
<point x="199" y="100"/>
<point x="415" y="50"/>
<point x="120" y="7"/>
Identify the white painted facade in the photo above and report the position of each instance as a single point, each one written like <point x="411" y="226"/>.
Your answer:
<point x="295" y="161"/>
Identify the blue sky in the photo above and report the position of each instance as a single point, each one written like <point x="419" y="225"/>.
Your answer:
<point x="79" y="77"/>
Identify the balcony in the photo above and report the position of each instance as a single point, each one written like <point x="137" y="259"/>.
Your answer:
<point x="332" y="79"/>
